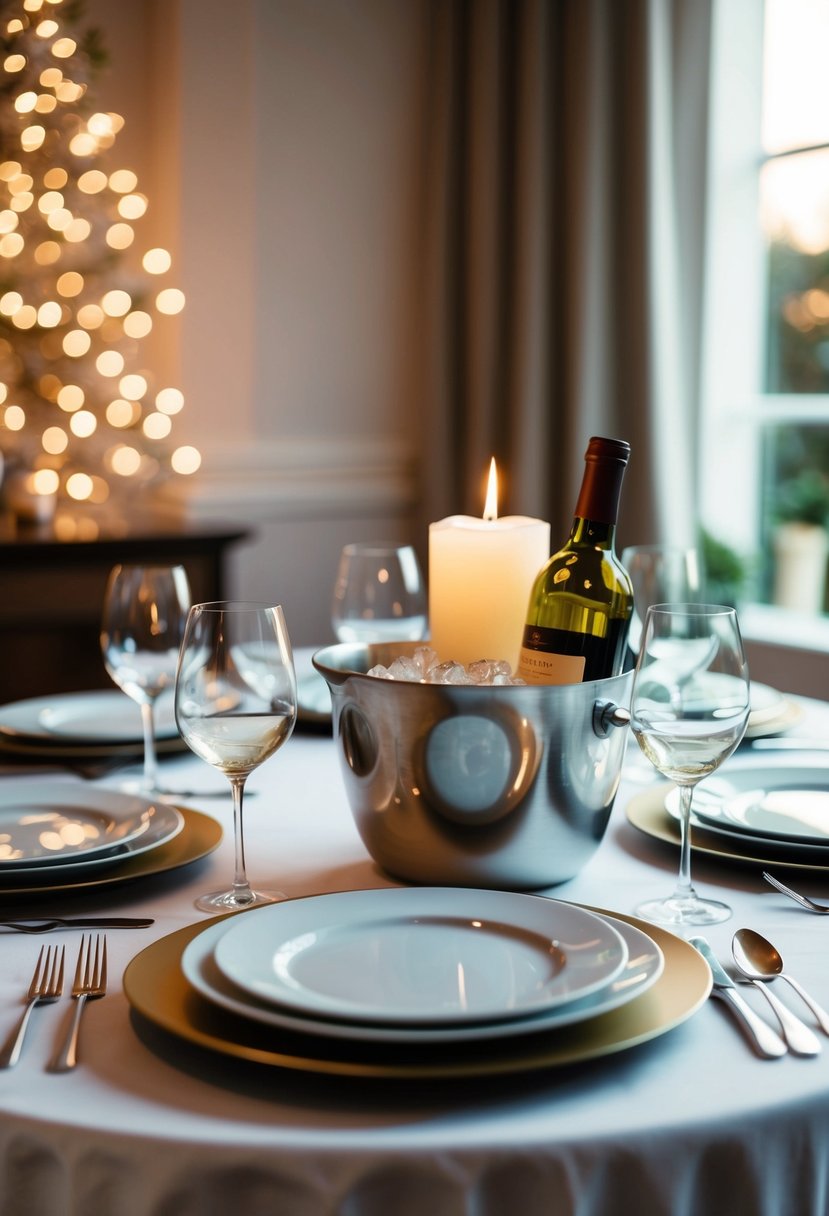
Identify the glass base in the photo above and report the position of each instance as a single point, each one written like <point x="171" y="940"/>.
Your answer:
<point x="679" y="910"/>
<point x="237" y="901"/>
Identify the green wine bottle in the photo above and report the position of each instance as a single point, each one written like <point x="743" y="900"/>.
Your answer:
<point x="581" y="602"/>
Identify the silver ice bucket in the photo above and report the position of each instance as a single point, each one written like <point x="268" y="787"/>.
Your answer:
<point x="505" y="787"/>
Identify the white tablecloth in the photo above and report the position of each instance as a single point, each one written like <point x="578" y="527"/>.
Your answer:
<point x="691" y="1123"/>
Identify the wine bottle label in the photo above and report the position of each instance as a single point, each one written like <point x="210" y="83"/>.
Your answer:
<point x="544" y="667"/>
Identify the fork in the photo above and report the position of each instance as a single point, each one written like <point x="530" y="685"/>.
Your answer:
<point x="46" y="986"/>
<point x="803" y="900"/>
<point x="89" y="983"/>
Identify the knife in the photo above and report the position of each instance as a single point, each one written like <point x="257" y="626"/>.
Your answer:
<point x="44" y="924"/>
<point x="766" y="1041"/>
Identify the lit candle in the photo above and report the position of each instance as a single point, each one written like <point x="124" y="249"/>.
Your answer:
<point x="481" y="572"/>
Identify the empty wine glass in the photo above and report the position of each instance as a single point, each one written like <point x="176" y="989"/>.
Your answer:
<point x="689" y="708"/>
<point x="659" y="574"/>
<point x="379" y="595"/>
<point x="235" y="706"/>
<point x="145" y="608"/>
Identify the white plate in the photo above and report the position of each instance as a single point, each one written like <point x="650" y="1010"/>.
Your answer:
<point x="785" y="800"/>
<point x="782" y="850"/>
<point x="128" y="825"/>
<point x="49" y="825"/>
<point x="420" y="956"/>
<point x="313" y="699"/>
<point x="645" y="963"/>
<point x="764" y="702"/>
<point x="105" y="716"/>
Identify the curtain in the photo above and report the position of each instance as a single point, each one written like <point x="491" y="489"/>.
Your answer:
<point x="565" y="189"/>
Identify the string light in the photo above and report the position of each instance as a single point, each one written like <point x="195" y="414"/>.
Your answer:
<point x="66" y="220"/>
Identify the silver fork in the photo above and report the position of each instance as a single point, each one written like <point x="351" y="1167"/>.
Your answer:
<point x="90" y="982"/>
<point x="803" y="900"/>
<point x="46" y="986"/>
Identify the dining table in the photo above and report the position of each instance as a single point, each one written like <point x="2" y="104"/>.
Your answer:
<point x="687" y="1122"/>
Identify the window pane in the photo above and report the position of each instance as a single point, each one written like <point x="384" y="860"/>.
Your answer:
<point x="796" y="80"/>
<point x="796" y="480"/>
<point x="795" y="206"/>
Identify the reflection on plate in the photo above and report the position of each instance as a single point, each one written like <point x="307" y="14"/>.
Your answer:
<point x="158" y="992"/>
<point x="647" y="813"/>
<point x="644" y="965"/>
<point x="783" y="800"/>
<point x="73" y="823"/>
<point x="83" y="724"/>
<point x="422" y="956"/>
<point x="199" y="836"/>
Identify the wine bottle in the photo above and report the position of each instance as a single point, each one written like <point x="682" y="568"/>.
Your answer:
<point x="581" y="602"/>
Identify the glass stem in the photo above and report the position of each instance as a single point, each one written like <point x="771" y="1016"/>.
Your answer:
<point x="241" y="887"/>
<point x="684" y="887"/>
<point x="149" y="782"/>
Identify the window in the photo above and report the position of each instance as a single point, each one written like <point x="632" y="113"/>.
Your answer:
<point x="765" y="438"/>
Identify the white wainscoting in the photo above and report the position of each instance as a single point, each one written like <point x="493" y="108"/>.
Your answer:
<point x="302" y="500"/>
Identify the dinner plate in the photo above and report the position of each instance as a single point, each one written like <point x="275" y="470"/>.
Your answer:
<point x="68" y="823"/>
<point x="644" y="965"/>
<point x="105" y="716"/>
<point x="784" y="799"/>
<point x="162" y="826"/>
<point x="162" y="998"/>
<point x="797" y="850"/>
<point x="199" y="836"/>
<point x="111" y="717"/>
<point x="420" y="956"/>
<point x="770" y="712"/>
<point x="647" y="813"/>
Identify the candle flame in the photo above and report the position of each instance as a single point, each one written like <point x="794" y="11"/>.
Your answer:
<point x="491" y="504"/>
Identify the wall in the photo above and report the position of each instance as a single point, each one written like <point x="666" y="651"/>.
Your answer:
<point x="278" y="142"/>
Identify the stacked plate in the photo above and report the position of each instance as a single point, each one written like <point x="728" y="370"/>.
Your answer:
<point x="771" y="713"/>
<point x="427" y="965"/>
<point x="69" y="836"/>
<point x="418" y="982"/>
<point x="762" y="810"/>
<point x="84" y="725"/>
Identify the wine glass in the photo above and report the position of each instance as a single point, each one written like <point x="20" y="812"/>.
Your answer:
<point x="689" y="708"/>
<point x="235" y="706"/>
<point x="659" y="574"/>
<point x="379" y="595"/>
<point x="145" y="608"/>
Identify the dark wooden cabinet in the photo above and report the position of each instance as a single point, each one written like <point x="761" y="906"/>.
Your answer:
<point x="52" y="593"/>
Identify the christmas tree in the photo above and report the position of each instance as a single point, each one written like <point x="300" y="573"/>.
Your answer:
<point x="81" y="418"/>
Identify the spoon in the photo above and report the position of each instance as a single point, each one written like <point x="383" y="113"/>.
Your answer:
<point x="768" y="962"/>
<point x="752" y="961"/>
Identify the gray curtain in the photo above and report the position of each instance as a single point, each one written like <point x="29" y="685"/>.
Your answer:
<point x="563" y="252"/>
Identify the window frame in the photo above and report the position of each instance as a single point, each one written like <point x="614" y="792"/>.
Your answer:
<point x="736" y="409"/>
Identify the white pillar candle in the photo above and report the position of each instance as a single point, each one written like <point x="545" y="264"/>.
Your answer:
<point x="481" y="572"/>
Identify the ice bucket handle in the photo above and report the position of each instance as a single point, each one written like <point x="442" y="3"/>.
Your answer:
<point x="607" y="714"/>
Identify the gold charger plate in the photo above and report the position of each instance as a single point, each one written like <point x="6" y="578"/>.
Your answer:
<point x="157" y="990"/>
<point x="647" y="813"/>
<point x="199" y="836"/>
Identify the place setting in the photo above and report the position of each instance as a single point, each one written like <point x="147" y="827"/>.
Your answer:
<point x="691" y="704"/>
<point x="418" y="983"/>
<point x="142" y="620"/>
<point x="70" y="835"/>
<point x="68" y="838"/>
<point x="755" y="812"/>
